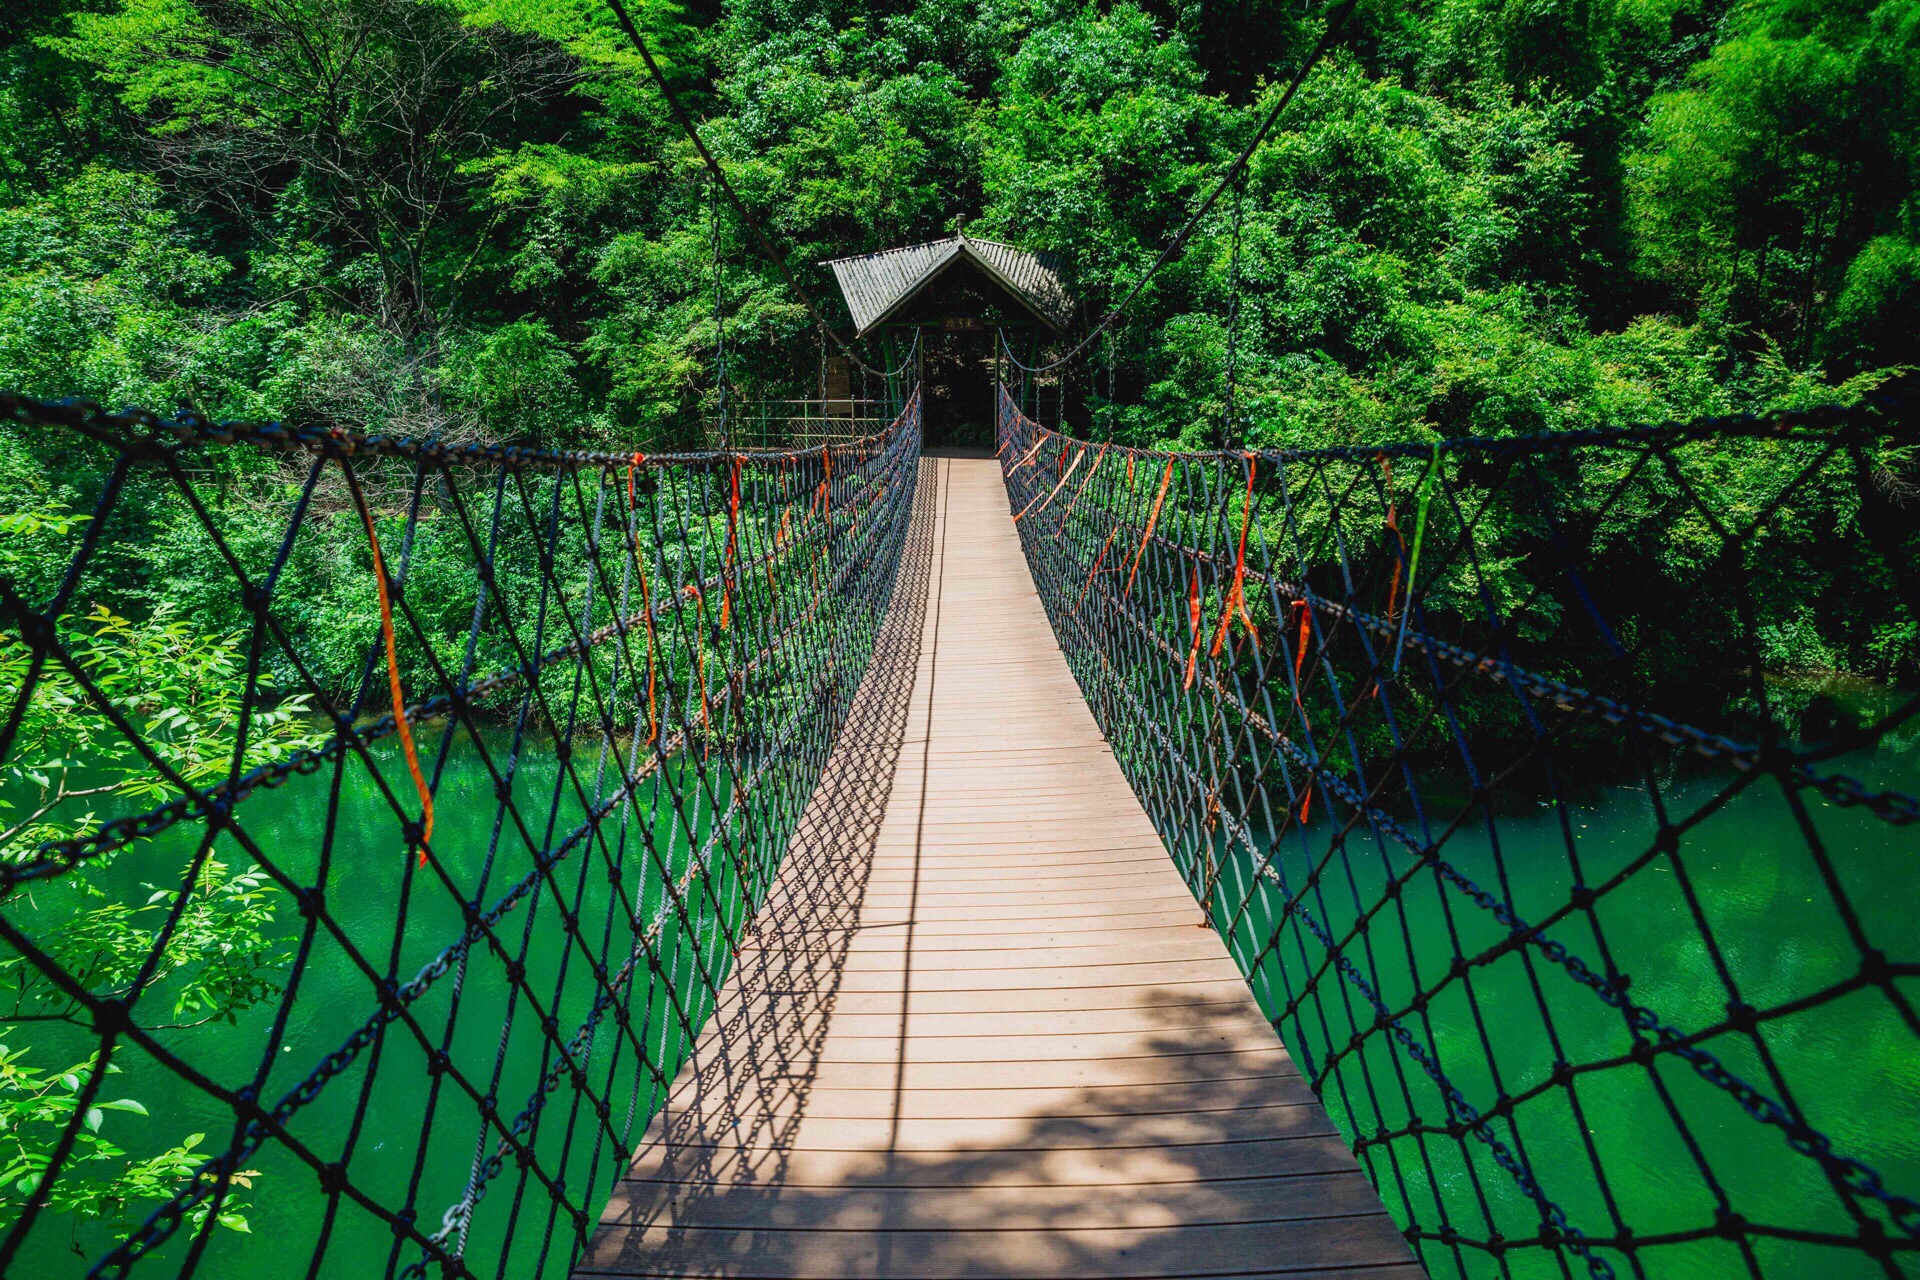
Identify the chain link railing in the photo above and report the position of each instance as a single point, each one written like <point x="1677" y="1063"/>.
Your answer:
<point x="536" y="773"/>
<point x="1479" y="757"/>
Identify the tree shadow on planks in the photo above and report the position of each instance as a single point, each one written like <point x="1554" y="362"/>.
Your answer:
<point x="784" y="1155"/>
<point x="741" y="1099"/>
<point x="1213" y="1159"/>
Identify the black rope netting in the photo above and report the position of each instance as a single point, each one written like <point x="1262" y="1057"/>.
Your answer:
<point x="621" y="677"/>
<point x="1501" y="769"/>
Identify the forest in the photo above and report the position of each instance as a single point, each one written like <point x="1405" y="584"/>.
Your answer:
<point x="478" y="221"/>
<point x="475" y="218"/>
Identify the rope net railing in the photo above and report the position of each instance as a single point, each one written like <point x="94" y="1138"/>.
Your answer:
<point x="379" y="889"/>
<point x="1499" y="767"/>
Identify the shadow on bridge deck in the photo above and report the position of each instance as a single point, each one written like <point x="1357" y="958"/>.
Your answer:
<point x="980" y="1032"/>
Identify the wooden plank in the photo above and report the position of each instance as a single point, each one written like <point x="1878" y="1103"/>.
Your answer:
<point x="925" y="1037"/>
<point x="1130" y="1043"/>
<point x="989" y="1038"/>
<point x="1096" y="899"/>
<point x="966" y="934"/>
<point x="1041" y="865"/>
<point x="1231" y="1065"/>
<point x="998" y="1023"/>
<point x="1308" y="1245"/>
<point x="792" y="1010"/>
<point x="1158" y="995"/>
<point x="1039" y="978"/>
<point x="951" y="1208"/>
<point x="1022" y="1101"/>
<point x="713" y="1129"/>
<point x="1005" y="917"/>
<point x="1091" y="1169"/>
<point x="936" y="883"/>
<point x="992" y="961"/>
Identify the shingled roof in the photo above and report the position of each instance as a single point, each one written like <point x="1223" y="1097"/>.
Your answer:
<point x="876" y="285"/>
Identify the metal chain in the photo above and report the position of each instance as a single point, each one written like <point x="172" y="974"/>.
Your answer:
<point x="677" y="637"/>
<point x="1239" y="620"/>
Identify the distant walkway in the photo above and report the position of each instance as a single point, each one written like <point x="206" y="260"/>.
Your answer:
<point x="982" y="1032"/>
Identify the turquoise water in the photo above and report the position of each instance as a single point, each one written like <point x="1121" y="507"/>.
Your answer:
<point x="1850" y="1063"/>
<point x="371" y="1114"/>
<point x="1615" y="1149"/>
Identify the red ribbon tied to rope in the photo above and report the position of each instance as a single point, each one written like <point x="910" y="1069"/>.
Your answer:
<point x="1061" y="529"/>
<point x="1236" y="601"/>
<point x="1029" y="458"/>
<point x="400" y="725"/>
<point x="1097" y="562"/>
<point x="1300" y="646"/>
<point x="733" y="549"/>
<point x="1193" y="619"/>
<point x="1147" y="533"/>
<point x="1393" y="527"/>
<point x="1053" y="493"/>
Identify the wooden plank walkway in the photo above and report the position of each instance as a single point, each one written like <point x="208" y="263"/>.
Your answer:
<point x="981" y="1032"/>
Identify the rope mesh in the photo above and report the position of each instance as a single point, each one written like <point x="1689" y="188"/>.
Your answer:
<point x="1372" y="699"/>
<point x="623" y="676"/>
<point x="1369" y="698"/>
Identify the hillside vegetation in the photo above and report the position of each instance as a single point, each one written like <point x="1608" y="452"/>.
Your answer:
<point x="475" y="217"/>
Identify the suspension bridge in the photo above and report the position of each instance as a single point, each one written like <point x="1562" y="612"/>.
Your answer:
<point x="1069" y="860"/>
<point x="846" y="857"/>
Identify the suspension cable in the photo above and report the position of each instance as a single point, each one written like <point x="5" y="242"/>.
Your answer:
<point x="1228" y="412"/>
<point x="1112" y="409"/>
<point x="746" y="215"/>
<point x="1335" y="23"/>
<point x="719" y="323"/>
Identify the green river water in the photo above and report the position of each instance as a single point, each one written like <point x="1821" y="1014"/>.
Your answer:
<point x="1851" y="1064"/>
<point x="286" y="1213"/>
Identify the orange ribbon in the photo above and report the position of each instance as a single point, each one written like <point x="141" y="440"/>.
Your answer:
<point x="400" y="724"/>
<point x="1300" y="648"/>
<point x="1393" y="527"/>
<point x="1236" y="601"/>
<point x="1054" y="492"/>
<point x="1193" y="617"/>
<point x="1081" y="492"/>
<point x="1299" y="661"/>
<point x="1097" y="560"/>
<point x="653" y="649"/>
<point x="733" y="550"/>
<point x="1029" y="458"/>
<point x="1152" y="520"/>
<point x="700" y="651"/>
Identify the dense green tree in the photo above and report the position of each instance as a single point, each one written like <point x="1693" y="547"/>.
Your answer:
<point x="1775" y="189"/>
<point x="362" y="192"/>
